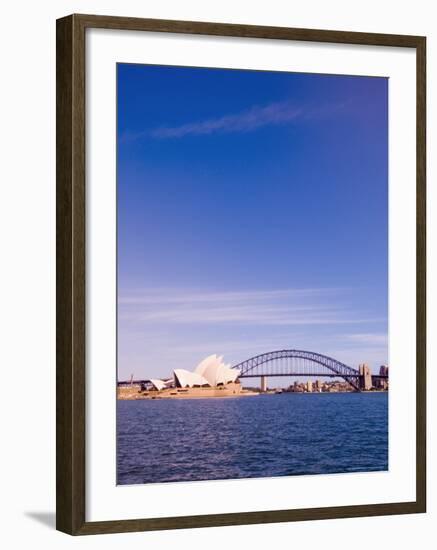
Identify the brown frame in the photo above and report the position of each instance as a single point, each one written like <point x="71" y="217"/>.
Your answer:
<point x="70" y="274"/>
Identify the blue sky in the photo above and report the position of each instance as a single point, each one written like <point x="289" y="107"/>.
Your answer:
<point x="252" y="216"/>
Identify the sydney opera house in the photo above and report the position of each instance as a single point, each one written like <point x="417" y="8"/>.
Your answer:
<point x="211" y="378"/>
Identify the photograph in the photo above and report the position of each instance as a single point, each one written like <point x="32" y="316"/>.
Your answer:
<point x="252" y="274"/>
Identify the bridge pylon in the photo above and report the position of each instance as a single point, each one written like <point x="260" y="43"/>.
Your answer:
<point x="365" y="377"/>
<point x="263" y="383"/>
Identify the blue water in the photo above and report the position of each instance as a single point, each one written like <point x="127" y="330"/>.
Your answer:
<point x="263" y="436"/>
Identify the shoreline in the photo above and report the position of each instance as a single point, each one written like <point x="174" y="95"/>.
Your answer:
<point x="139" y="396"/>
<point x="232" y="389"/>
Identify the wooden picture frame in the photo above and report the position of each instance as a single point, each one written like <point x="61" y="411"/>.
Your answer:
<point x="71" y="283"/>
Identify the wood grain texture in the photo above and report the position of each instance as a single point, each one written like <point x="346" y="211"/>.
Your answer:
<point x="421" y="274"/>
<point x="70" y="277"/>
<point x="71" y="280"/>
<point x="246" y="31"/>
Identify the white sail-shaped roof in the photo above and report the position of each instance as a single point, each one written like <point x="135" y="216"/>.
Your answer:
<point x="205" y="364"/>
<point x="220" y="374"/>
<point x="215" y="371"/>
<point x="158" y="384"/>
<point x="231" y="374"/>
<point x="186" y="378"/>
<point x="226" y="374"/>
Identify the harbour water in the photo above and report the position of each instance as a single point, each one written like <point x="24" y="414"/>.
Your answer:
<point x="264" y="436"/>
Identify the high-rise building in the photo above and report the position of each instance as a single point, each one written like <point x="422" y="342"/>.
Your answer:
<point x="383" y="370"/>
<point x="383" y="382"/>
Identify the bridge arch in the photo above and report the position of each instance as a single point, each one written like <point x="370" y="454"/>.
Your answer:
<point x="294" y="362"/>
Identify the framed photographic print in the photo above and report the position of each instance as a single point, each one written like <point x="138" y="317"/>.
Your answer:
<point x="240" y="274"/>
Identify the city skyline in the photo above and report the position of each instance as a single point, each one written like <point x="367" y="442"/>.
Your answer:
<point x="252" y="216"/>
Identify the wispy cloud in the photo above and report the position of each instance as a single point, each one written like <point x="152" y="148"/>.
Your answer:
<point x="248" y="120"/>
<point x="368" y="338"/>
<point x="172" y="295"/>
<point x="245" y="121"/>
<point x="285" y="307"/>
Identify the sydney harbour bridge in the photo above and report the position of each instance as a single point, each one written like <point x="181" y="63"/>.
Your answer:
<point x="294" y="362"/>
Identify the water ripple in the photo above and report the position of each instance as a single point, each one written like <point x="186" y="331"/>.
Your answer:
<point x="264" y="436"/>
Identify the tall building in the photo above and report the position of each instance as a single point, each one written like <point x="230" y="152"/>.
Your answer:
<point x="383" y="371"/>
<point x="309" y="386"/>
